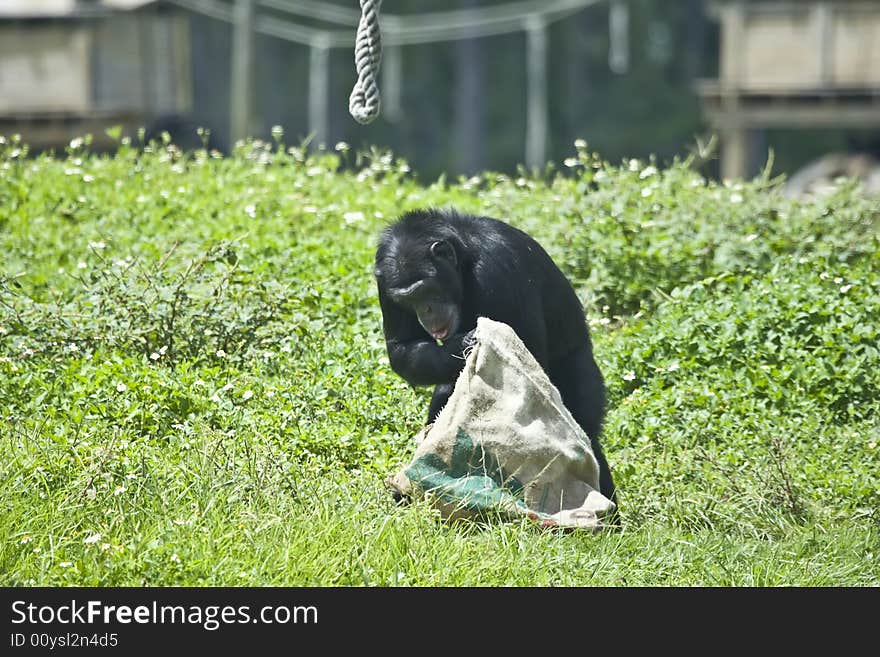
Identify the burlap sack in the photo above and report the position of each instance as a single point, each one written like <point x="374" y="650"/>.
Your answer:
<point x="505" y="444"/>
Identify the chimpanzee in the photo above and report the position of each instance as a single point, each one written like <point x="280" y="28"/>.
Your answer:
<point x="438" y="270"/>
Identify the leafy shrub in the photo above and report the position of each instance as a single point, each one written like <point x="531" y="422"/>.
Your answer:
<point x="640" y="230"/>
<point x="766" y="383"/>
<point x="803" y="330"/>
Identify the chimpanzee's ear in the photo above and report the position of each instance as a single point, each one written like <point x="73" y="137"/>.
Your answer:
<point x="444" y="251"/>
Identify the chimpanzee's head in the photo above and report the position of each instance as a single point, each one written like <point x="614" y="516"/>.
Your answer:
<point x="420" y="270"/>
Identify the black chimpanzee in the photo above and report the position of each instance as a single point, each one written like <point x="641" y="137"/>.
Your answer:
<point x="437" y="271"/>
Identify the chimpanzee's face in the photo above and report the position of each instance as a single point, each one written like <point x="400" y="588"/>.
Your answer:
<point x="425" y="280"/>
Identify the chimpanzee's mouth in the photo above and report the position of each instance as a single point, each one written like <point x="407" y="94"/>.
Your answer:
<point x="439" y="321"/>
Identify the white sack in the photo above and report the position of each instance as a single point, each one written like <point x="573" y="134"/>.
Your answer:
<point x="505" y="444"/>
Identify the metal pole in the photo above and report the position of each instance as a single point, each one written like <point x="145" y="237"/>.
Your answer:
<point x="618" y="32"/>
<point x="241" y="85"/>
<point x="536" y="114"/>
<point x="319" y="88"/>
<point x="823" y="20"/>
<point x="392" y="73"/>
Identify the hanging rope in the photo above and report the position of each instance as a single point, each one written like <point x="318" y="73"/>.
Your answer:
<point x="363" y="104"/>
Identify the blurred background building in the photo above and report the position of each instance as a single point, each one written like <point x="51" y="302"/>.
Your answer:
<point x="69" y="67"/>
<point x="467" y="84"/>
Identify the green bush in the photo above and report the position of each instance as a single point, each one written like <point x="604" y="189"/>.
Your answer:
<point x="641" y="232"/>
<point x="767" y="382"/>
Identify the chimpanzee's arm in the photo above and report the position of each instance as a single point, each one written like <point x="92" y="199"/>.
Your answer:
<point x="425" y="363"/>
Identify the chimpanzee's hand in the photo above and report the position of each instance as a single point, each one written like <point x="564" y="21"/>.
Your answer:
<point x="460" y="342"/>
<point x="469" y="339"/>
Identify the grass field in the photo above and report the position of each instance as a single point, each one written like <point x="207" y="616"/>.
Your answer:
<point x="194" y="389"/>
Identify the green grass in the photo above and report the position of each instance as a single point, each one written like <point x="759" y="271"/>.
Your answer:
<point x="194" y="389"/>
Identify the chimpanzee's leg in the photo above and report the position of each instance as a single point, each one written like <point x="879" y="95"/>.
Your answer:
<point x="442" y="393"/>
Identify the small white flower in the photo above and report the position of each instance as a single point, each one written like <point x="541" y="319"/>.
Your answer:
<point x="736" y="198"/>
<point x="251" y="211"/>
<point x="175" y="558"/>
<point x="570" y="162"/>
<point x="838" y="280"/>
<point x="88" y="178"/>
<point x="105" y="546"/>
<point x="121" y="387"/>
<point x="221" y="353"/>
<point x="119" y="490"/>
<point x="247" y="394"/>
<point x="673" y="367"/>
<point x="580" y="144"/>
<point x="66" y="564"/>
<point x="91" y="493"/>
<point x="353" y="217"/>
<point x="750" y="238"/>
<point x="845" y="288"/>
<point x="646" y="192"/>
<point x="25" y="539"/>
<point x="647" y="172"/>
<point x="81" y="265"/>
<point x="215" y="398"/>
<point x="629" y="376"/>
<point x="341" y="146"/>
<point x="155" y="356"/>
<point x="97" y="245"/>
<point x="94" y="538"/>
